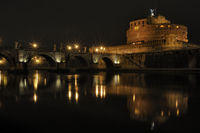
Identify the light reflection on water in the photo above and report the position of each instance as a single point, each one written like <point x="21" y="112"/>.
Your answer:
<point x="147" y="98"/>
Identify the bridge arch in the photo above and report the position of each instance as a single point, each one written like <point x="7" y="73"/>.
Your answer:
<point x="6" y="59"/>
<point x="51" y="61"/>
<point x="82" y="61"/>
<point x="77" y="62"/>
<point x="105" y="63"/>
<point x="108" y="62"/>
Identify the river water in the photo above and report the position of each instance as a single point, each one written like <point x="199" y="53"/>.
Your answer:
<point x="144" y="102"/>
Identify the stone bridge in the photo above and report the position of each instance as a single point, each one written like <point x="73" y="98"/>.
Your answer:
<point x="41" y="59"/>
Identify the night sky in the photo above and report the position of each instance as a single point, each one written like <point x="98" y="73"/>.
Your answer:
<point x="88" y="21"/>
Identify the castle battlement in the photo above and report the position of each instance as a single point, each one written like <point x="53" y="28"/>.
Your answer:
<point x="152" y="34"/>
<point x="155" y="29"/>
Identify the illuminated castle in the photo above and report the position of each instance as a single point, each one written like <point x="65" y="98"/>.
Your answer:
<point x="155" y="29"/>
<point x="152" y="34"/>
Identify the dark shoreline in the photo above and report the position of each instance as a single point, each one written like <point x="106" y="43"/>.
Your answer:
<point x="148" y="70"/>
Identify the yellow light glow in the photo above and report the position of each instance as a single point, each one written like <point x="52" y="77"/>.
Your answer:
<point x="35" y="98"/>
<point x="45" y="82"/>
<point x="5" y="81"/>
<point x="104" y="92"/>
<point x="136" y="28"/>
<point x="76" y="96"/>
<point x="162" y="26"/>
<point x="117" y="62"/>
<point x="97" y="50"/>
<point x="37" y="61"/>
<point x="2" y="61"/>
<point x="76" y="46"/>
<point x="162" y="113"/>
<point x="0" y="77"/>
<point x="134" y="98"/>
<point x="69" y="47"/>
<point x="169" y="113"/>
<point x="70" y="95"/>
<point x="95" y="60"/>
<point x="36" y="80"/>
<point x="69" y="91"/>
<point x="177" y="112"/>
<point x="177" y="27"/>
<point x="137" y="112"/>
<point x="97" y="90"/>
<point x="58" y="82"/>
<point x="101" y="92"/>
<point x="76" y="80"/>
<point x="58" y="60"/>
<point x="101" y="48"/>
<point x="35" y="45"/>
<point x="176" y="103"/>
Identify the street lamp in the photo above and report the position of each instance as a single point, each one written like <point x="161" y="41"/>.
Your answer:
<point x="2" y="61"/>
<point x="69" y="47"/>
<point x="35" y="45"/>
<point x="76" y="46"/>
<point x="97" y="50"/>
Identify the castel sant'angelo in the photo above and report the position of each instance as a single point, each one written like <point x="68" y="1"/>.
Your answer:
<point x="152" y="34"/>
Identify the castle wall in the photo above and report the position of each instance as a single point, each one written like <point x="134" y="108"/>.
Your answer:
<point x="149" y="33"/>
<point x="154" y="29"/>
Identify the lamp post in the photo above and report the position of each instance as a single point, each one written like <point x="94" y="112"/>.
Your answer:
<point x="35" y="45"/>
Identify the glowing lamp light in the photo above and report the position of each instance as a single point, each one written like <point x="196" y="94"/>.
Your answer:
<point x="162" y="26"/>
<point x="70" y="95"/>
<point x="76" y="46"/>
<point x="134" y="98"/>
<point x="25" y="60"/>
<point x="69" y="47"/>
<point x="177" y="112"/>
<point x="37" y="61"/>
<point x="58" y="60"/>
<point x="117" y="62"/>
<point x="95" y="60"/>
<point x="20" y="60"/>
<point x="35" y="45"/>
<point x="97" y="50"/>
<point x="76" y="96"/>
<point x="1" y="61"/>
<point x="136" y="28"/>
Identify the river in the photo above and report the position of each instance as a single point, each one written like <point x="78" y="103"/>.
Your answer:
<point x="41" y="101"/>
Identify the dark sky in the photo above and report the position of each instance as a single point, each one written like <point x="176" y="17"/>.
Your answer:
<point x="88" y="21"/>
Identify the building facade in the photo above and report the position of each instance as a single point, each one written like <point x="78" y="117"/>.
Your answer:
<point x="155" y="29"/>
<point x="152" y="34"/>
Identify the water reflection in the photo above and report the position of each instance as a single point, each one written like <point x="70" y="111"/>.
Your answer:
<point x="147" y="98"/>
<point x="99" y="85"/>
<point x="35" y="98"/>
<point x="73" y="88"/>
<point x="3" y="79"/>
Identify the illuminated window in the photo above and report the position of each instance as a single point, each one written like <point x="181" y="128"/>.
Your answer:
<point x="162" y="26"/>
<point x="136" y="27"/>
